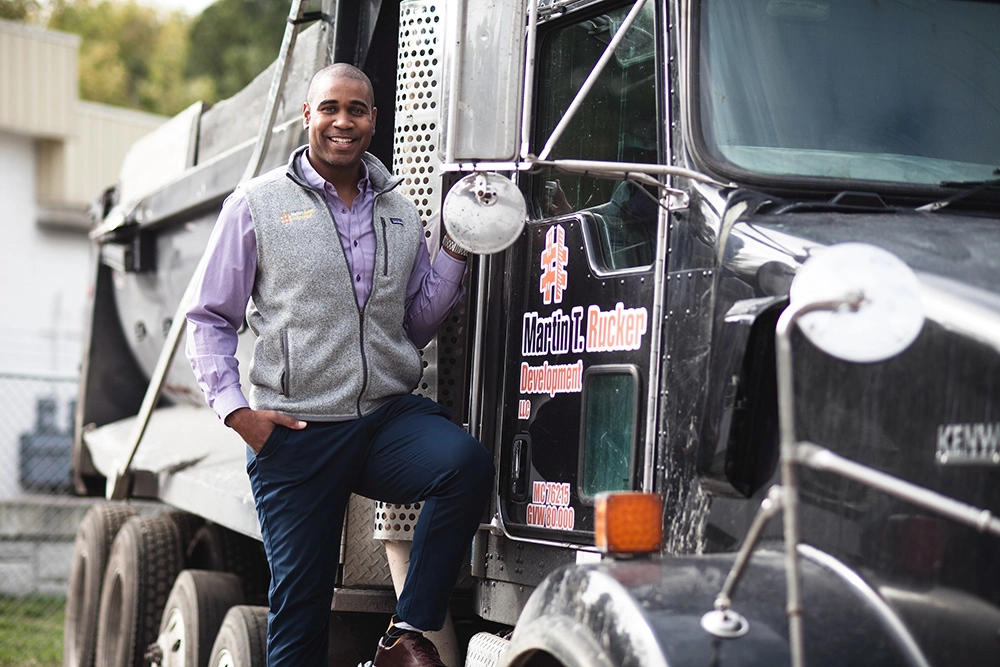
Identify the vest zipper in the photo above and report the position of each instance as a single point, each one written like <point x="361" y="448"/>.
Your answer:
<point x="364" y="359"/>
<point x="361" y="311"/>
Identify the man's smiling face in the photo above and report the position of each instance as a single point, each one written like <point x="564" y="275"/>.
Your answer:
<point x="340" y="117"/>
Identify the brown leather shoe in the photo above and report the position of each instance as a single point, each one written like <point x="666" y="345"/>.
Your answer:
<point x="410" y="650"/>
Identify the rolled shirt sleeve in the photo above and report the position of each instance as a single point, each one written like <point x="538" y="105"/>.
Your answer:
<point x="219" y="306"/>
<point x="431" y="294"/>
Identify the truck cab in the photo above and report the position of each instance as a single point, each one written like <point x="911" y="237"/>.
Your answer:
<point x="643" y="184"/>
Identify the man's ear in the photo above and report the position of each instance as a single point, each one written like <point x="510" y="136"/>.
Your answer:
<point x="305" y="115"/>
<point x="374" y="114"/>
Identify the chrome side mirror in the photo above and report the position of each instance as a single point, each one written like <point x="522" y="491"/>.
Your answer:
<point x="484" y="50"/>
<point x="484" y="212"/>
<point x="882" y="312"/>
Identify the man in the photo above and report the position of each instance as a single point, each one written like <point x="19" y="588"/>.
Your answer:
<point x="329" y="265"/>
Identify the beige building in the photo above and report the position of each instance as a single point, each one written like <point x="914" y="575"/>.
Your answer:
<point x="57" y="155"/>
<point x="78" y="146"/>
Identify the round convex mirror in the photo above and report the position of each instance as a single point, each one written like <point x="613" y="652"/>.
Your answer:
<point x="484" y="212"/>
<point x="888" y="318"/>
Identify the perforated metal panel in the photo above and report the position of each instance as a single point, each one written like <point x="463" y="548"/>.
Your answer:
<point x="418" y="76"/>
<point x="396" y="522"/>
<point x="415" y="159"/>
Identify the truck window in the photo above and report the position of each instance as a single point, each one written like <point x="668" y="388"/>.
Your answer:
<point x="906" y="92"/>
<point x="610" y="398"/>
<point x="617" y="123"/>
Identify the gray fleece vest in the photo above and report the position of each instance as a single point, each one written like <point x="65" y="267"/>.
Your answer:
<point x="317" y="356"/>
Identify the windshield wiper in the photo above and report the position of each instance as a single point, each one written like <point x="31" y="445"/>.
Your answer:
<point x="969" y="188"/>
<point x="844" y="202"/>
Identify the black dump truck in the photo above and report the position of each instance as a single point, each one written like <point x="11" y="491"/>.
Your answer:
<point x="732" y="333"/>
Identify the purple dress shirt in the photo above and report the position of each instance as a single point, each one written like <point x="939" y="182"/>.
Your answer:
<point x="221" y="299"/>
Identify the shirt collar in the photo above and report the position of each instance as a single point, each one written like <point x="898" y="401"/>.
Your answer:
<point x="317" y="182"/>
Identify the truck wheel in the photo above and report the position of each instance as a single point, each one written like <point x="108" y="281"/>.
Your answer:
<point x="216" y="548"/>
<point x="145" y="558"/>
<point x="242" y="639"/>
<point x="191" y="618"/>
<point x="90" y="555"/>
<point x="187" y="527"/>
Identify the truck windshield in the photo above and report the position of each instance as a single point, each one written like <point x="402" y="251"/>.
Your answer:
<point x="905" y="91"/>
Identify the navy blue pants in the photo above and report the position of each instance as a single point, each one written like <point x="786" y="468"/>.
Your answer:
<point x="406" y="451"/>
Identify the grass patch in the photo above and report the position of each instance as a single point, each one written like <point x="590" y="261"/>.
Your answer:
<point x="31" y="631"/>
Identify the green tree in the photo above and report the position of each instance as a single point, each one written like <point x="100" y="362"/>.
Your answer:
<point x="166" y="86"/>
<point x="118" y="39"/>
<point x="233" y="41"/>
<point x="136" y="56"/>
<point x="18" y="10"/>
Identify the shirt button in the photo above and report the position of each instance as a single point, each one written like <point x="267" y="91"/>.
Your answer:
<point x="343" y="210"/>
<point x="358" y="278"/>
<point x="355" y="244"/>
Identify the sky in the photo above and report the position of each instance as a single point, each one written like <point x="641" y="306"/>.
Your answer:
<point x="191" y="7"/>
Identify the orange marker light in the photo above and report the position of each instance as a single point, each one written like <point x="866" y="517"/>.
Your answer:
<point x="628" y="522"/>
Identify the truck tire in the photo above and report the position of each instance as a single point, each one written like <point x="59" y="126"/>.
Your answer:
<point x="187" y="527"/>
<point x="86" y="574"/>
<point x="145" y="559"/>
<point x="242" y="639"/>
<point x="216" y="548"/>
<point x="193" y="614"/>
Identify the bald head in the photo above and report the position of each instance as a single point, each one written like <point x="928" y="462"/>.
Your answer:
<point x="338" y="71"/>
<point x="339" y="116"/>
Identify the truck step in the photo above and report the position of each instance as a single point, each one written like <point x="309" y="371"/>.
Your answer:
<point x="485" y="650"/>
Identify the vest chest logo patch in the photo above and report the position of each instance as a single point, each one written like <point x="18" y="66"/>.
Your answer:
<point x="288" y="216"/>
<point x="396" y="221"/>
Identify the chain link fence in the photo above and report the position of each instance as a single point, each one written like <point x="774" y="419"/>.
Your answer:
<point x="39" y="515"/>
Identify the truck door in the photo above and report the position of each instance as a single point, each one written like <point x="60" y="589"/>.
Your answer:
<point x="580" y="286"/>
